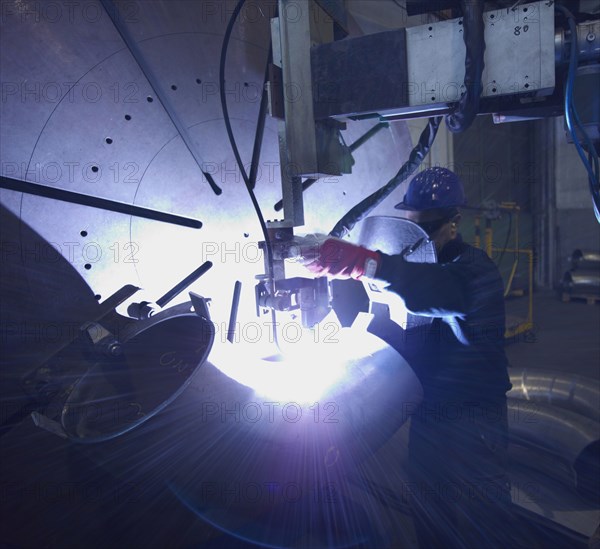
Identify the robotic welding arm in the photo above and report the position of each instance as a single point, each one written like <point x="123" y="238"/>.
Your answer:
<point x="406" y="73"/>
<point x="326" y="258"/>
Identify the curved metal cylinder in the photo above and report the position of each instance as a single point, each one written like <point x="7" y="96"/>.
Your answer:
<point x="211" y="434"/>
<point x="567" y="435"/>
<point x="157" y="361"/>
<point x="300" y="449"/>
<point x="573" y="392"/>
<point x="266" y="469"/>
<point x="585" y="260"/>
<point x="582" y="282"/>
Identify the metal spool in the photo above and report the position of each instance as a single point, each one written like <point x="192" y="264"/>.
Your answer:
<point x="585" y="260"/>
<point x="572" y="392"/>
<point x="582" y="282"/>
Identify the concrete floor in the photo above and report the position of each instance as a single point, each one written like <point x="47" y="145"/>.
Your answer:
<point x="566" y="339"/>
<point x="565" y="336"/>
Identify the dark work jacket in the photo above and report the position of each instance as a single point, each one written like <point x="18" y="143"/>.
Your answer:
<point x="461" y="354"/>
<point x="459" y="432"/>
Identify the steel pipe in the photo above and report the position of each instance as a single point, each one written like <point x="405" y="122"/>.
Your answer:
<point x="585" y="260"/>
<point x="572" y="438"/>
<point x="267" y="466"/>
<point x="572" y="392"/>
<point x="585" y="282"/>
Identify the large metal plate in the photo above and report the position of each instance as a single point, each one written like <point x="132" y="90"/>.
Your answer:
<point x="57" y="139"/>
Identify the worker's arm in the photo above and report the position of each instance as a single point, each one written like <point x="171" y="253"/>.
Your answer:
<point x="340" y="259"/>
<point x="428" y="289"/>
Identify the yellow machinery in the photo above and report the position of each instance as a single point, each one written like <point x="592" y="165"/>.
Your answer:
<point x="514" y="325"/>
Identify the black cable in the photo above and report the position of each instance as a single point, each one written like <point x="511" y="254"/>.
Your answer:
<point x="362" y="209"/>
<point x="308" y="183"/>
<point x="236" y="153"/>
<point x="225" y="45"/>
<point x="473" y="36"/>
<point x="593" y="160"/>
<point x="230" y="135"/>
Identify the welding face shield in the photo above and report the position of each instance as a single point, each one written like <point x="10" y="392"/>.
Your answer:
<point x="432" y="226"/>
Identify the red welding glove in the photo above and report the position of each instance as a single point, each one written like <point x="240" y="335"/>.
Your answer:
<point x="342" y="260"/>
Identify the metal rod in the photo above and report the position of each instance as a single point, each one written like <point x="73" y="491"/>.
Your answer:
<point x="438" y="111"/>
<point x="360" y="141"/>
<point x="96" y="202"/>
<point x="135" y="51"/>
<point x="367" y="135"/>
<point x="235" y="303"/>
<point x="260" y="127"/>
<point x="181" y="286"/>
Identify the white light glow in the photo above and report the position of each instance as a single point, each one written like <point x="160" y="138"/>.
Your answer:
<point x="304" y="372"/>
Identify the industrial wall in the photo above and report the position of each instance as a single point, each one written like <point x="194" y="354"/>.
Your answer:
<point x="497" y="165"/>
<point x="576" y="225"/>
<point x="531" y="164"/>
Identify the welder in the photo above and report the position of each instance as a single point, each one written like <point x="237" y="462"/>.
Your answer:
<point x="460" y="492"/>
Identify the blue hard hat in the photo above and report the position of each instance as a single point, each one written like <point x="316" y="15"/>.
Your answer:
<point x="433" y="188"/>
